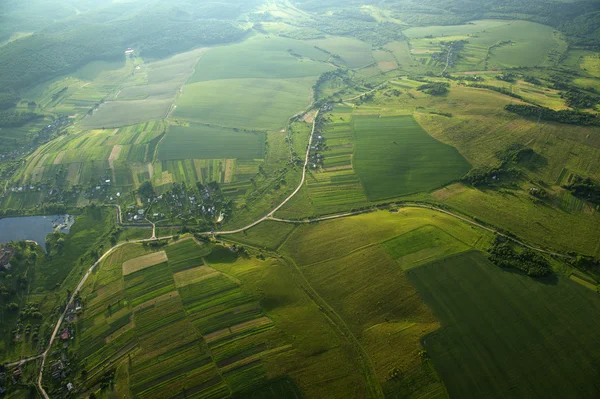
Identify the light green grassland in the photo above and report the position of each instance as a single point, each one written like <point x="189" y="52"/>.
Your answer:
<point x="261" y="57"/>
<point x="253" y="103"/>
<point x="147" y="94"/>
<point x="512" y="336"/>
<point x="491" y="43"/>
<point x="353" y="53"/>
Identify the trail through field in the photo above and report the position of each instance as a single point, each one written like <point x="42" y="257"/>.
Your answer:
<point x="367" y="92"/>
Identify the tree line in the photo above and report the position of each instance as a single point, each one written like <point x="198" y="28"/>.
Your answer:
<point x="563" y="116"/>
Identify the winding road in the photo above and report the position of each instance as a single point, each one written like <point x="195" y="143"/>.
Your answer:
<point x="270" y="216"/>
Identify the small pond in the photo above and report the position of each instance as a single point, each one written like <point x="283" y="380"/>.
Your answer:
<point x="34" y="228"/>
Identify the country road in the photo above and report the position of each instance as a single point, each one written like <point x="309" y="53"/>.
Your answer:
<point x="430" y="207"/>
<point x="269" y="216"/>
<point x="44" y="355"/>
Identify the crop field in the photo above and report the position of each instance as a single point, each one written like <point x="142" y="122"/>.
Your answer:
<point x="143" y="262"/>
<point x="491" y="43"/>
<point x="498" y="349"/>
<point x="395" y="156"/>
<point x="148" y="94"/>
<point x="84" y="157"/>
<point x="207" y="142"/>
<point x="195" y="325"/>
<point x="353" y="52"/>
<point x="357" y="265"/>
<point x="252" y="103"/>
<point x="261" y="57"/>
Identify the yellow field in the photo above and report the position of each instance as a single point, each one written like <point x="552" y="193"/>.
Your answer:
<point x="143" y="262"/>
<point x="195" y="275"/>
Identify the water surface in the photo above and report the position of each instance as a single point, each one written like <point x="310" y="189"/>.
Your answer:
<point x="34" y="228"/>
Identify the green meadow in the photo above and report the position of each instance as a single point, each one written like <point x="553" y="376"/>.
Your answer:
<point x="251" y="103"/>
<point x="490" y="43"/>
<point x="261" y="57"/>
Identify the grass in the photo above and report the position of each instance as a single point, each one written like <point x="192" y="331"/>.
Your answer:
<point x="532" y="343"/>
<point x="261" y="57"/>
<point x="542" y="224"/>
<point x="205" y="142"/>
<point x="530" y="43"/>
<point x="147" y="94"/>
<point x="353" y="52"/>
<point x="250" y="103"/>
<point x="394" y="156"/>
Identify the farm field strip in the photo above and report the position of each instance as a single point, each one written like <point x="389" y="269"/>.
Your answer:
<point x="143" y="262"/>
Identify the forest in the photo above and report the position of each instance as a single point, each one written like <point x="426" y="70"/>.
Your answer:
<point x="156" y="31"/>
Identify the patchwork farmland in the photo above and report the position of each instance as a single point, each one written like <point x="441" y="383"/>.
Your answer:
<point x="187" y="320"/>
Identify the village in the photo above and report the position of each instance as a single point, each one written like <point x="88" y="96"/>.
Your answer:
<point x="200" y="205"/>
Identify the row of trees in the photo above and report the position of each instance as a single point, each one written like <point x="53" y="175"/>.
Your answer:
<point x="563" y="116"/>
<point x="585" y="188"/>
<point x="17" y="119"/>
<point x="503" y="254"/>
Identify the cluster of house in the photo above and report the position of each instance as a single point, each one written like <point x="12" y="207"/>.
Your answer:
<point x="6" y="254"/>
<point x="60" y="370"/>
<point x="16" y="377"/>
<point x="72" y="310"/>
<point x="134" y="215"/>
<point x="181" y="202"/>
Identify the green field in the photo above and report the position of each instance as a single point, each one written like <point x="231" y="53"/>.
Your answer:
<point x="261" y="57"/>
<point x="357" y="266"/>
<point x="506" y="335"/>
<point x="395" y="156"/>
<point x="147" y="94"/>
<point x="253" y="103"/>
<point x="490" y="43"/>
<point x="353" y="53"/>
<point x="204" y="142"/>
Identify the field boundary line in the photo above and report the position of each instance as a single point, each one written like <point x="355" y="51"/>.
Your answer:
<point x="368" y="371"/>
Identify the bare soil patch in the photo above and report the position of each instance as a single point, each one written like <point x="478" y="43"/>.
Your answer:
<point x="143" y="262"/>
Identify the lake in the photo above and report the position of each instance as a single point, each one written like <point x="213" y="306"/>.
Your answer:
<point x="34" y="228"/>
